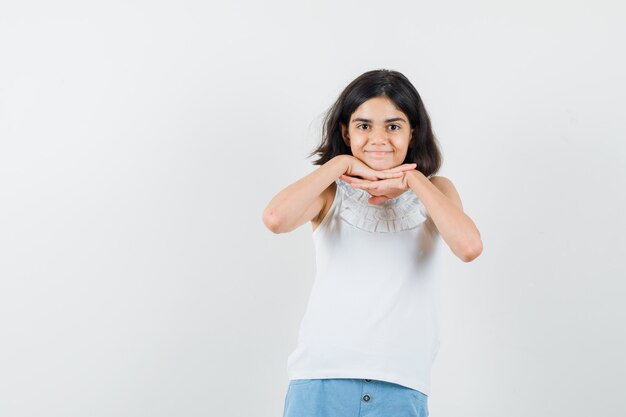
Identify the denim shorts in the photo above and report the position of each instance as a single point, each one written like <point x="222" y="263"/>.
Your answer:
<point x="349" y="397"/>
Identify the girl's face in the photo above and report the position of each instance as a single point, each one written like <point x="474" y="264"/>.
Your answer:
<point x="378" y="133"/>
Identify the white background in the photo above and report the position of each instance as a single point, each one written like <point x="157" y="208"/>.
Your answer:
<point x="140" y="142"/>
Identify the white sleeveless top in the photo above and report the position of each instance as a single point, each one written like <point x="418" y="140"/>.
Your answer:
<point x="372" y="311"/>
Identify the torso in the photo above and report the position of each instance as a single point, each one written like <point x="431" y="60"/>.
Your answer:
<point x="391" y="259"/>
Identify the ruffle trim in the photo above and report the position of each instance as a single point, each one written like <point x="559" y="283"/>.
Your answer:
<point x="404" y="212"/>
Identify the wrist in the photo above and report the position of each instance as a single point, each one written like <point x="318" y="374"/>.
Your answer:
<point x="342" y="161"/>
<point x="410" y="177"/>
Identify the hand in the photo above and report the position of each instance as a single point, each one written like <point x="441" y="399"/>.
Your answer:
<point x="357" y="168"/>
<point x="382" y="190"/>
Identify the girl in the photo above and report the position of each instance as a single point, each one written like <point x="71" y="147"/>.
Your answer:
<point x="369" y="335"/>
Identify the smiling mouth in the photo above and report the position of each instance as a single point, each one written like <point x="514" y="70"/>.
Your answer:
<point x="378" y="152"/>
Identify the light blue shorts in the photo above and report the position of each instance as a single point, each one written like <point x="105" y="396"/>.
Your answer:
<point x="349" y="397"/>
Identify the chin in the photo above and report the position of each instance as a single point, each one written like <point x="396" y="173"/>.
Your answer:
<point x="377" y="164"/>
<point x="380" y="165"/>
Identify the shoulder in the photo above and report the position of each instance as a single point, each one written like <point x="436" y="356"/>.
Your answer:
<point x="441" y="181"/>
<point x="447" y="188"/>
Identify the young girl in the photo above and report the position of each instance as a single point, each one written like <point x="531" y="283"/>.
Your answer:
<point x="369" y="334"/>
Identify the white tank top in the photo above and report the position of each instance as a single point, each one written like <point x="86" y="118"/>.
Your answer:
<point x="372" y="311"/>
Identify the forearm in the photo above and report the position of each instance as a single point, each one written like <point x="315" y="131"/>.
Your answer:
<point x="454" y="226"/>
<point x="290" y="204"/>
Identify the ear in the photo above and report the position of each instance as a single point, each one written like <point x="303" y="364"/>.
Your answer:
<point x="344" y="134"/>
<point x="412" y="141"/>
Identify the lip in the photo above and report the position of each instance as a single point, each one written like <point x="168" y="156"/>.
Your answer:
<point x="378" y="152"/>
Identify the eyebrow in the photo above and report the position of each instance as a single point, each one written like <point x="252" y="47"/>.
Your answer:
<point x="394" y="119"/>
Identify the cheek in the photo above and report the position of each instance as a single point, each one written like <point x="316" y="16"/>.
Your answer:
<point x="358" y="139"/>
<point x="401" y="141"/>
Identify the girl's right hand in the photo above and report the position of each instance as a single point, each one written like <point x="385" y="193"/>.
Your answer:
<point x="358" y="168"/>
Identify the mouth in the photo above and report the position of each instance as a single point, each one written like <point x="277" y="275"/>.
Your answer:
<point x="378" y="153"/>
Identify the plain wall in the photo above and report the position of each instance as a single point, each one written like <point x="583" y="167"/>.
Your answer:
<point x="140" y="142"/>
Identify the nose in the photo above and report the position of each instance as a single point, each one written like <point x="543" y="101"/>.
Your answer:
<point x="378" y="135"/>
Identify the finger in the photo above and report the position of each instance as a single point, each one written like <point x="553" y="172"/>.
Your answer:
<point x="369" y="187"/>
<point x="377" y="200"/>
<point x="389" y="175"/>
<point x="381" y="184"/>
<point x="407" y="167"/>
<point x="351" y="180"/>
<point x="363" y="185"/>
<point x="400" y="168"/>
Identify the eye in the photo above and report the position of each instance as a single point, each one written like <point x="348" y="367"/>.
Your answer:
<point x="395" y="127"/>
<point x="361" y="126"/>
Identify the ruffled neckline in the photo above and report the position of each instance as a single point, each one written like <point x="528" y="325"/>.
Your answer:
<point x="403" y="212"/>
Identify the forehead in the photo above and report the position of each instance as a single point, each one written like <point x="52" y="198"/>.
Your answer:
<point x="378" y="108"/>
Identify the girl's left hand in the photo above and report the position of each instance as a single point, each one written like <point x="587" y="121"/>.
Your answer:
<point x="381" y="190"/>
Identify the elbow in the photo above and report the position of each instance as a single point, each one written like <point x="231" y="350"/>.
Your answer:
<point x="271" y="220"/>
<point x="472" y="251"/>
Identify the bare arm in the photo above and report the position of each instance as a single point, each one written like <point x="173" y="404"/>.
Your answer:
<point x="302" y="201"/>
<point x="446" y="210"/>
